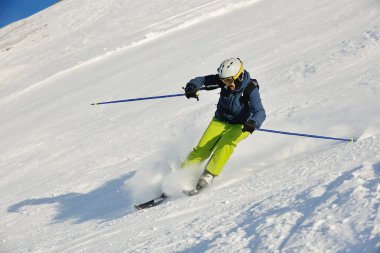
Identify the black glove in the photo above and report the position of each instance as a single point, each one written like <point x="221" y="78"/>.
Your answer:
<point x="191" y="91"/>
<point x="249" y="126"/>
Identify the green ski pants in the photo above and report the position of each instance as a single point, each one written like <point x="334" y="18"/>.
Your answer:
<point x="220" y="140"/>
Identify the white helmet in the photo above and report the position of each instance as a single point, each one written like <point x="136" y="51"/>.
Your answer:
<point x="231" y="68"/>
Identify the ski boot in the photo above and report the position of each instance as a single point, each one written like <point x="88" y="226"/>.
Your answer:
<point x="204" y="180"/>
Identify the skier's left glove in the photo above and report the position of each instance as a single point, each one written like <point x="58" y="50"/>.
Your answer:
<point x="249" y="126"/>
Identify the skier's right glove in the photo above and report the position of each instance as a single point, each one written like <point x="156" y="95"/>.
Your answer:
<point x="249" y="126"/>
<point x="191" y="91"/>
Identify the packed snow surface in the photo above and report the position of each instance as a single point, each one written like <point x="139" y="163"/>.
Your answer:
<point x="71" y="172"/>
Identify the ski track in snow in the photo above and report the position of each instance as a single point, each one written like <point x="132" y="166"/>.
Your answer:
<point x="72" y="172"/>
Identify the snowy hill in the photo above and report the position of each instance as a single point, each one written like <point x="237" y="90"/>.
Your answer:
<point x="71" y="172"/>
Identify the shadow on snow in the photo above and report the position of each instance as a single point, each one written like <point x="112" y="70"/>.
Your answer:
<point x="107" y="202"/>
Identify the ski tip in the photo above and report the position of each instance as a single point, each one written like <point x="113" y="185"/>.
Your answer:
<point x="138" y="207"/>
<point x="151" y="203"/>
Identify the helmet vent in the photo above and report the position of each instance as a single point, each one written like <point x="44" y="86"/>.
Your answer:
<point x="231" y="68"/>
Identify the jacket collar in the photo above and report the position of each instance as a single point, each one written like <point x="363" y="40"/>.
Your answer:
<point x="246" y="81"/>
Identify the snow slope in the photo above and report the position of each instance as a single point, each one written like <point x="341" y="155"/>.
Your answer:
<point x="71" y="172"/>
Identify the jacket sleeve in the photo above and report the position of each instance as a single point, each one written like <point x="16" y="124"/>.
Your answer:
<point x="257" y="109"/>
<point x="209" y="82"/>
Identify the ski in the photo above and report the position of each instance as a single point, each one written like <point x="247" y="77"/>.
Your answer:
<point x="151" y="203"/>
<point x="158" y="200"/>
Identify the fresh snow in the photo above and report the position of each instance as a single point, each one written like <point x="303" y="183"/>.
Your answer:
<point x="71" y="172"/>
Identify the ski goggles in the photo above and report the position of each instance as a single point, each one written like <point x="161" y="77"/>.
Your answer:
<point x="228" y="81"/>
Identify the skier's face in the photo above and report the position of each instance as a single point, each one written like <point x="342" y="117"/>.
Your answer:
<point x="229" y="82"/>
<point x="231" y="86"/>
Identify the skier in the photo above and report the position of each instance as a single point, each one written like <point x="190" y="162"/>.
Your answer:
<point x="239" y="112"/>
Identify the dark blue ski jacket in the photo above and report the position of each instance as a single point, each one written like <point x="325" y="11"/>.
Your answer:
<point x="231" y="107"/>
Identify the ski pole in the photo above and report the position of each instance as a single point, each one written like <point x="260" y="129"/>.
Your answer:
<point x="145" y="98"/>
<point x="306" y="135"/>
<point x="137" y="99"/>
